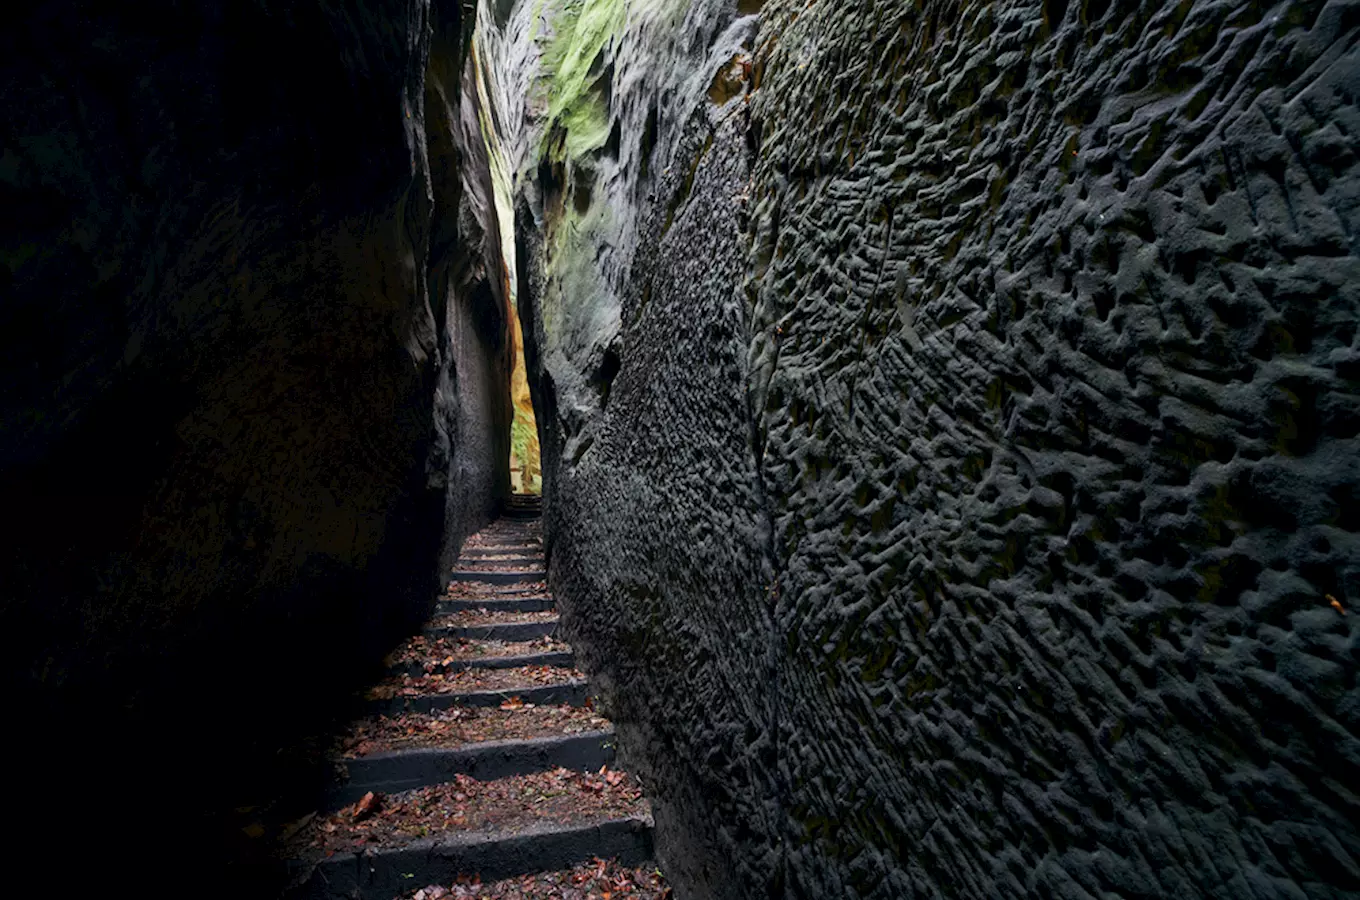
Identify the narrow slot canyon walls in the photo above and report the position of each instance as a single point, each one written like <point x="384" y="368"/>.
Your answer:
<point x="630" y="271"/>
<point x="949" y="417"/>
<point x="255" y="366"/>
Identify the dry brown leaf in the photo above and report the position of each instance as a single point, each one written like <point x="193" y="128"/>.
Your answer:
<point x="367" y="806"/>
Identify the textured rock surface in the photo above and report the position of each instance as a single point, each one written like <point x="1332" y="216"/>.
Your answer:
<point x="631" y="259"/>
<point x="951" y="452"/>
<point x="254" y="365"/>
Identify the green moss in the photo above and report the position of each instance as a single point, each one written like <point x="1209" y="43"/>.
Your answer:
<point x="576" y="93"/>
<point x="536" y="20"/>
<point x="571" y="267"/>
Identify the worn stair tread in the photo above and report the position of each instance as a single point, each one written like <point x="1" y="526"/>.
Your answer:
<point x="407" y="769"/>
<point x="504" y="805"/>
<point x="497" y="568"/>
<point x="465" y="810"/>
<point x="508" y="546"/>
<point x="519" y="562"/>
<point x="528" y="554"/>
<point x="385" y="873"/>
<point x="529" y="603"/>
<point x="561" y="658"/>
<point x="504" y="542"/>
<point x="519" y="565"/>
<point x="524" y="560"/>
<point x="461" y="726"/>
<point x="437" y="653"/>
<point x="597" y="878"/>
<point x="574" y="692"/>
<point x="487" y="624"/>
<point x="498" y="577"/>
<point x="487" y="615"/>
<point x="465" y="680"/>
<point x="497" y="631"/>
<point x="472" y="590"/>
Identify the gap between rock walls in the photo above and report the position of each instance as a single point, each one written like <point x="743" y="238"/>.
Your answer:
<point x="711" y="449"/>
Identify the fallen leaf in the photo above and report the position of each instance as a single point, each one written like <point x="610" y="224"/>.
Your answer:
<point x="367" y="806"/>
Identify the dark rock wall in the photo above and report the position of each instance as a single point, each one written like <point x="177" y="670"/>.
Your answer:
<point x="252" y="360"/>
<point x="470" y="286"/>
<point x="963" y="512"/>
<point x="631" y="260"/>
<point x="658" y="546"/>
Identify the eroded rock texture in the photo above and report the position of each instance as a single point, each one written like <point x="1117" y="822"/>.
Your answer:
<point x="254" y="365"/>
<point x="949" y="416"/>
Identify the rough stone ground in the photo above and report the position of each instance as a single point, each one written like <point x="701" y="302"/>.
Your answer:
<point x="452" y="805"/>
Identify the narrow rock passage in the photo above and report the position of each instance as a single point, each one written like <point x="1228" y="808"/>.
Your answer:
<point x="482" y="768"/>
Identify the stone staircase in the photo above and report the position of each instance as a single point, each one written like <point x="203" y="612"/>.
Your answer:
<point x="482" y="757"/>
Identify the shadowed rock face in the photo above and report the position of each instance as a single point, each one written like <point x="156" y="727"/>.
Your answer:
<point x="949" y="426"/>
<point x="254" y="363"/>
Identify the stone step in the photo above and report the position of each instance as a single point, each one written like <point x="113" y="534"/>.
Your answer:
<point x="463" y="726"/>
<point x="523" y="549"/>
<point x="496" y="604"/>
<point x="572" y="693"/>
<point x="524" y="576"/>
<point x="383" y="874"/>
<point x="477" y="591"/>
<point x="508" y="632"/>
<point x="563" y="658"/>
<point x="489" y="554"/>
<point x="490" y="566"/>
<point x="519" y="562"/>
<point x="404" y="770"/>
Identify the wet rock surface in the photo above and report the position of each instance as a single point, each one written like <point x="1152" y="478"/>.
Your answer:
<point x="950" y="439"/>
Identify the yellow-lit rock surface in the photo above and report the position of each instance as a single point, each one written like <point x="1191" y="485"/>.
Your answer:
<point x="525" y="474"/>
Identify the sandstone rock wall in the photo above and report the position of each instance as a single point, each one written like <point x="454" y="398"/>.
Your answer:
<point x="254" y="365"/>
<point x="949" y="418"/>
